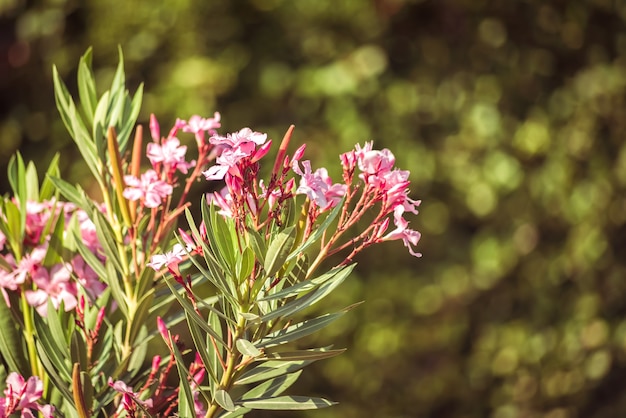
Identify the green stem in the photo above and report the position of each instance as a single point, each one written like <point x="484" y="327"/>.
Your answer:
<point x="29" y="335"/>
<point x="231" y="365"/>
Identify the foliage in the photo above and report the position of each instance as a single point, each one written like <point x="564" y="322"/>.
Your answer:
<point x="508" y="114"/>
<point x="88" y="283"/>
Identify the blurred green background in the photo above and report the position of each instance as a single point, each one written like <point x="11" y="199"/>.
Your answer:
<point x="511" y="116"/>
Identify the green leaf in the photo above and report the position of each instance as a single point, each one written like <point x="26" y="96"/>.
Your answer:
<point x="17" y="178"/>
<point x="221" y="233"/>
<point x="271" y="369"/>
<point x="73" y="123"/>
<point x="201" y="348"/>
<point x="298" y="330"/>
<point x="89" y="257"/>
<point x="258" y="245"/>
<point x="319" y="231"/>
<point x="185" y="396"/>
<point x="311" y="298"/>
<point x="131" y="119"/>
<point x="245" y="264"/>
<point x="141" y="313"/>
<point x="246" y="348"/>
<point x="193" y="314"/>
<point x="224" y="400"/>
<point x="100" y="122"/>
<point x="313" y="354"/>
<point x="71" y="193"/>
<point x="273" y="387"/>
<point x="239" y="411"/>
<point x="58" y="382"/>
<point x="106" y="237"/>
<point x="47" y="187"/>
<point x="11" y="342"/>
<point x="290" y="403"/>
<point x="278" y="250"/>
<point x="87" y="86"/>
<point x="112" y="279"/>
<point x="31" y="183"/>
<point x="55" y="244"/>
<point x="337" y="273"/>
<point x="58" y="329"/>
<point x="57" y="356"/>
<point x="12" y="226"/>
<point x="216" y="352"/>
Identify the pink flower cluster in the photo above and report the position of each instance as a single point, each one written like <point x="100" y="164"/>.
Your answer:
<point x="167" y="156"/>
<point x="58" y="282"/>
<point x="387" y="185"/>
<point x="318" y="186"/>
<point x="21" y="397"/>
<point x="236" y="148"/>
<point x="380" y="185"/>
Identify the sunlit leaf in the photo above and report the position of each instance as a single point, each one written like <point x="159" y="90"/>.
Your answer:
<point x="291" y="403"/>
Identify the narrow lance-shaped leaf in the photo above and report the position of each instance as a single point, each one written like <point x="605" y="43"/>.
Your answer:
<point x="31" y="183"/>
<point x="313" y="354"/>
<point x="131" y="118"/>
<point x="17" y="178"/>
<point x="193" y="314"/>
<point x="273" y="387"/>
<point x="201" y="347"/>
<point x="278" y="250"/>
<point x="87" y="86"/>
<point x="270" y="369"/>
<point x="185" y="396"/>
<point x="299" y="330"/>
<point x="289" y="403"/>
<point x="47" y="187"/>
<point x="319" y="231"/>
<point x="311" y="298"/>
<point x="11" y="343"/>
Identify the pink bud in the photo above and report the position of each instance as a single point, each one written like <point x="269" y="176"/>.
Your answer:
<point x="203" y="232"/>
<point x="156" y="361"/>
<point x="190" y="244"/>
<point x="99" y="320"/>
<point x="155" y="130"/>
<point x="163" y="330"/>
<point x="298" y="154"/>
<point x="261" y="151"/>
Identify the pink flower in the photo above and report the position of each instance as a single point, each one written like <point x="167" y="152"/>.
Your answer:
<point x="236" y="147"/>
<point x="169" y="259"/>
<point x="54" y="285"/>
<point x="87" y="278"/>
<point x="318" y="186"/>
<point x="223" y="200"/>
<point x="37" y="216"/>
<point x="171" y="154"/>
<point x="408" y="236"/>
<point x="197" y="124"/>
<point x="28" y="265"/>
<point x="374" y="161"/>
<point x="150" y="190"/>
<point x="128" y="395"/>
<point x="21" y="395"/>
